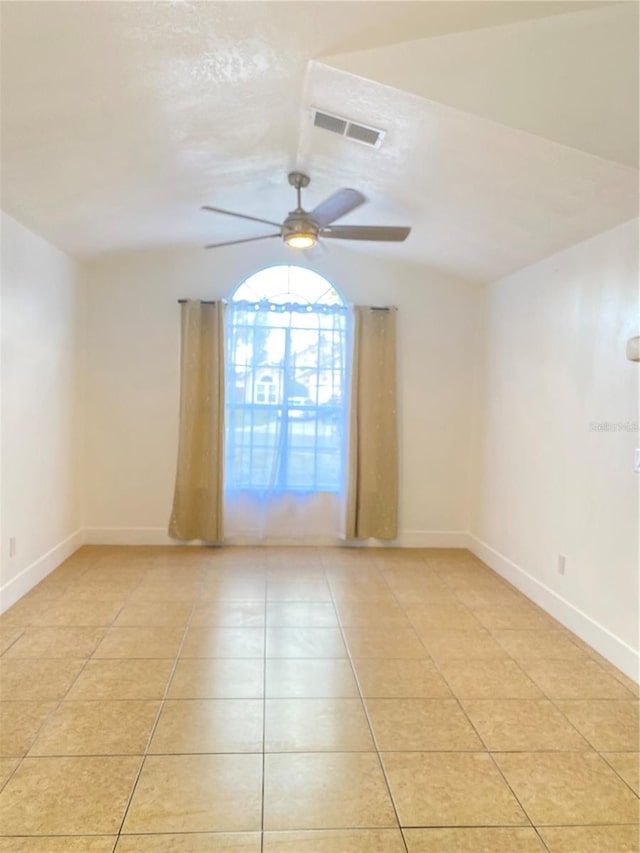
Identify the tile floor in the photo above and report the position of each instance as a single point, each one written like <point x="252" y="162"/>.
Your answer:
<point x="306" y="700"/>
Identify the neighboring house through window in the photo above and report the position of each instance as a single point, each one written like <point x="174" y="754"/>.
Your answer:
<point x="286" y="383"/>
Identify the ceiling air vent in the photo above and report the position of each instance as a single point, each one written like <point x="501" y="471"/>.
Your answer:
<point x="370" y="136"/>
<point x="327" y="122"/>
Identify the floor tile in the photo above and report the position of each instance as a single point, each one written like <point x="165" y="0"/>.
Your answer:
<point x="122" y="679"/>
<point x="217" y="678"/>
<point x="216" y="642"/>
<point x="182" y="593"/>
<point x="20" y="723"/>
<point x="218" y="842"/>
<point x="229" y="614"/>
<point x="548" y="644"/>
<point x="325" y="790"/>
<point x="21" y="614"/>
<point x="8" y="636"/>
<point x="7" y="766"/>
<point x="400" y="678"/>
<point x="474" y="840"/>
<point x="197" y="793"/>
<point x="140" y="643"/>
<point x="626" y="765"/>
<point x="233" y="589"/>
<point x="209" y="725"/>
<point x="524" y="725"/>
<point x="307" y="573"/>
<point x="384" y="643"/>
<point x="450" y="789"/>
<point x="608" y="724"/>
<point x="423" y="593"/>
<point x="156" y="614"/>
<point x="97" y="728"/>
<point x="67" y="796"/>
<point x="79" y="613"/>
<point x="591" y="839"/>
<point x="482" y="597"/>
<point x="65" y="642"/>
<point x="421" y="724"/>
<point x="59" y="844"/>
<point x="316" y="725"/>
<point x="305" y="643"/>
<point x="488" y="679"/>
<point x="574" y="679"/>
<point x="37" y="680"/>
<point x="364" y="614"/>
<point x="540" y="699"/>
<point x="516" y="616"/>
<point x="568" y="788"/>
<point x="309" y="678"/>
<point x="344" y="590"/>
<point x="629" y="683"/>
<point x="427" y="617"/>
<point x="301" y="615"/>
<point x="466" y="645"/>
<point x="335" y="841"/>
<point x="298" y="590"/>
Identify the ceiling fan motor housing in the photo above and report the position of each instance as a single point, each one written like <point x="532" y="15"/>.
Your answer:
<point x="299" y="222"/>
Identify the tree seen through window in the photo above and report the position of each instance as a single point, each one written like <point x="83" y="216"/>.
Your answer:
<point x="286" y="375"/>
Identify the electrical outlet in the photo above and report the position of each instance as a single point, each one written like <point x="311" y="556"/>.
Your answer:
<point x="561" y="563"/>
<point x="12" y="546"/>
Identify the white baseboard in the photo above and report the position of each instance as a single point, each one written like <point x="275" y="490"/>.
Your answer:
<point x="159" y="536"/>
<point x="128" y="536"/>
<point x="432" y="539"/>
<point x="597" y="636"/>
<point x="20" y="585"/>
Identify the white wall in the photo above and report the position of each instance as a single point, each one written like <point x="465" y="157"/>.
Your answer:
<point x="40" y="482"/>
<point x="132" y="381"/>
<point x="547" y="483"/>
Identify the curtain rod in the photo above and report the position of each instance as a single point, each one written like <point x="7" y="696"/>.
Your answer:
<point x="213" y="302"/>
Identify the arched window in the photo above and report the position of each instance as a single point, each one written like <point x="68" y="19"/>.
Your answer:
<point x="286" y="383"/>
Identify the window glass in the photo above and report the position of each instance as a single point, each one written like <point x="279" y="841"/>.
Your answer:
<point x="286" y="380"/>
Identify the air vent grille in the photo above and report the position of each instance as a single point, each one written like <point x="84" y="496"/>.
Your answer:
<point x="362" y="133"/>
<point x="327" y="122"/>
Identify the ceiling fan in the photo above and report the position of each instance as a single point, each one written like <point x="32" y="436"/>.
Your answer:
<point x="301" y="229"/>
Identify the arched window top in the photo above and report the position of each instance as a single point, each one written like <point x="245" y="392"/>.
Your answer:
<point x="285" y="285"/>
<point x="286" y="338"/>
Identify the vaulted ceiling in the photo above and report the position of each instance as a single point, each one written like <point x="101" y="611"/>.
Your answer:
<point x="511" y="127"/>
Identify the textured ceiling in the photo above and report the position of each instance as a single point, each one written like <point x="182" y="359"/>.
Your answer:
<point x="511" y="126"/>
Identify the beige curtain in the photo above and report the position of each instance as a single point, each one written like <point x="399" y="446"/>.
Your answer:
<point x="197" y="501"/>
<point x="372" y="491"/>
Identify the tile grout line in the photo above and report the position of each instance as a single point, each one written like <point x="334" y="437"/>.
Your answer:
<point x="434" y="661"/>
<point x="380" y="571"/>
<point x="366" y="713"/>
<point x="482" y="741"/>
<point x="59" y="701"/>
<point x="551" y="699"/>
<point x="598" y="752"/>
<point x="154" y="726"/>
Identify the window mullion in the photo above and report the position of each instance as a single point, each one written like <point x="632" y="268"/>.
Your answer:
<point x="283" y="467"/>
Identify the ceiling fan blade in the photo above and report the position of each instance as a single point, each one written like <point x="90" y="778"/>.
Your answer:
<point x="246" y="240"/>
<point x="388" y="234"/>
<point x="336" y="206"/>
<point x="239" y="215"/>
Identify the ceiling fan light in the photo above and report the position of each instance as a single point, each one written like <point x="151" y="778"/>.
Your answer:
<point x="300" y="240"/>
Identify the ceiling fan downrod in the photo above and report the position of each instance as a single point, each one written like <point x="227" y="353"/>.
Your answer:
<point x="298" y="180"/>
